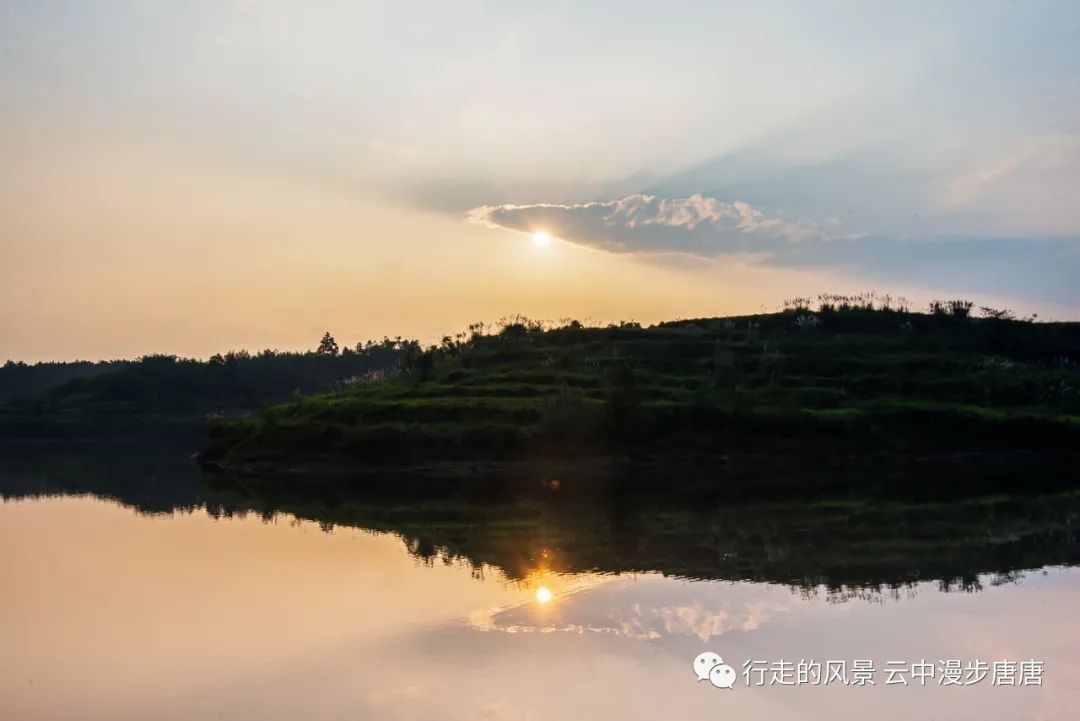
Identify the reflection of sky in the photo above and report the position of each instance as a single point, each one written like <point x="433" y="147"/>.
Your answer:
<point x="112" y="615"/>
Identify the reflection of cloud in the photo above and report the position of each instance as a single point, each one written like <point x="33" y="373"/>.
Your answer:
<point x="693" y="619"/>
<point x="487" y="619"/>
<point x="594" y="607"/>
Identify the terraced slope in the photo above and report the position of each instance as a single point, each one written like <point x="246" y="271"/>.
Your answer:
<point x="792" y="382"/>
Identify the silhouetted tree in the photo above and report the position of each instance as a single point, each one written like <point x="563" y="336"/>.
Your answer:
<point x="327" y="346"/>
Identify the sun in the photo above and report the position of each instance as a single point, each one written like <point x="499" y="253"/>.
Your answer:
<point x="541" y="239"/>
<point x="543" y="594"/>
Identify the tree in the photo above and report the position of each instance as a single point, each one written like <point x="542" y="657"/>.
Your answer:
<point x="327" y="346"/>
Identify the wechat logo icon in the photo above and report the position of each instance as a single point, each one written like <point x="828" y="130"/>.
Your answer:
<point x="709" y="666"/>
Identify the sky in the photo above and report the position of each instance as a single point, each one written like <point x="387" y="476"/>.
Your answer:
<point x="191" y="177"/>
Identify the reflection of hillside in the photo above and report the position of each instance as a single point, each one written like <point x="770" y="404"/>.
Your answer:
<point x="150" y="480"/>
<point x="842" y="548"/>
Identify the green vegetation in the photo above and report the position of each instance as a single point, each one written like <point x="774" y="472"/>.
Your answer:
<point x="855" y="375"/>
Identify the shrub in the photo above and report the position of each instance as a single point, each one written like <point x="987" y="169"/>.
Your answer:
<point x="997" y="314"/>
<point x="960" y="308"/>
<point x="798" y="305"/>
<point x="957" y="308"/>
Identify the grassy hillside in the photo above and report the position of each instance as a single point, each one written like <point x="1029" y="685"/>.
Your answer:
<point x="856" y="379"/>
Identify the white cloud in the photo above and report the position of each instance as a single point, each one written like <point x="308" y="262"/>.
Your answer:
<point x="698" y="225"/>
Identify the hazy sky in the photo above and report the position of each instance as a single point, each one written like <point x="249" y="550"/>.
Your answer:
<point x="195" y="176"/>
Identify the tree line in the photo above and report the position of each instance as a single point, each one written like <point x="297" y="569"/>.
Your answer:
<point x="226" y="381"/>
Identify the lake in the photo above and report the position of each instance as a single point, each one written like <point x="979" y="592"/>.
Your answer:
<point x="131" y="588"/>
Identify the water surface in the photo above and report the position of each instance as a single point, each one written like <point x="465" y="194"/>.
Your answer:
<point x="135" y="592"/>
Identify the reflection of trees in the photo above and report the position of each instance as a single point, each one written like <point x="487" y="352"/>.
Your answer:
<point x="151" y="481"/>
<point x="841" y="551"/>
<point x="838" y="550"/>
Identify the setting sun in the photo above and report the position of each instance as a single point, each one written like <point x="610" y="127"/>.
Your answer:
<point x="541" y="239"/>
<point x="543" y="595"/>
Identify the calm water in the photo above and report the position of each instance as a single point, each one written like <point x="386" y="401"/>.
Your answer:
<point x="135" y="592"/>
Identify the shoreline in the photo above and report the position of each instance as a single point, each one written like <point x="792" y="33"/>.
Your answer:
<point x="726" y="476"/>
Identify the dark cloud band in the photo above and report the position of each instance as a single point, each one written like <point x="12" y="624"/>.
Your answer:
<point x="708" y="227"/>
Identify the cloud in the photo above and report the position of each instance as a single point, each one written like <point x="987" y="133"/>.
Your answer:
<point x="1033" y="183"/>
<point x="702" y="226"/>
<point x="697" y="225"/>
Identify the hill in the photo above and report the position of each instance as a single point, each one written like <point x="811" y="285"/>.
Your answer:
<point x="761" y="394"/>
